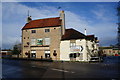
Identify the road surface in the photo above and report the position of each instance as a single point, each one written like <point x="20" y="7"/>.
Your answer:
<point x="23" y="69"/>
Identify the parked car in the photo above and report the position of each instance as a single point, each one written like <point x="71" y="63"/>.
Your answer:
<point x="96" y="59"/>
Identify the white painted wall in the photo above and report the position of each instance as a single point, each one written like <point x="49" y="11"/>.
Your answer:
<point x="65" y="50"/>
<point x="82" y="42"/>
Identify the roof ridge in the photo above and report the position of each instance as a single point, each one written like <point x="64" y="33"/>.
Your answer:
<point x="45" y="18"/>
<point x="75" y="30"/>
<point x="38" y="23"/>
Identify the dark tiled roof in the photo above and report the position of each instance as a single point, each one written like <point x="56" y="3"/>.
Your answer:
<point x="40" y="23"/>
<point x="72" y="34"/>
<point x="90" y="37"/>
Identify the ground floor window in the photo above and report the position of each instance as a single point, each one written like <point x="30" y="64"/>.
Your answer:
<point x="47" y="54"/>
<point x="74" y="55"/>
<point x="33" y="54"/>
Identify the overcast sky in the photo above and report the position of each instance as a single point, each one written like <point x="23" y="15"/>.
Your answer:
<point x="99" y="18"/>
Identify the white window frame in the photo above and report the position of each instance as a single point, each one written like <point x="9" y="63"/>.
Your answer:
<point x="33" y="41"/>
<point x="47" y="41"/>
<point x="72" y="44"/>
<point x="47" y="51"/>
<point x="33" y="51"/>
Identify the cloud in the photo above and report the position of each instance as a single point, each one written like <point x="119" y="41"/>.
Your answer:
<point x="101" y="12"/>
<point x="14" y="18"/>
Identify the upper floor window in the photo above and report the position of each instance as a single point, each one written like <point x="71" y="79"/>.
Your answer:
<point x="33" y="41"/>
<point x="47" y="30"/>
<point x="47" y="41"/>
<point x="72" y="43"/>
<point x="33" y="31"/>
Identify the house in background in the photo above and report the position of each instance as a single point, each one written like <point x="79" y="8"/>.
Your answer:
<point x="49" y="39"/>
<point x="6" y="53"/>
<point x="110" y="51"/>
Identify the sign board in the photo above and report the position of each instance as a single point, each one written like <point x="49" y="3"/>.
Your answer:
<point x="39" y="42"/>
<point x="76" y="49"/>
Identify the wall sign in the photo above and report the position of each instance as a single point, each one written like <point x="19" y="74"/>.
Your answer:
<point x="76" y="49"/>
<point x="39" y="41"/>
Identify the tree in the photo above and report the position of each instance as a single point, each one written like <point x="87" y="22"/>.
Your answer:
<point x="16" y="50"/>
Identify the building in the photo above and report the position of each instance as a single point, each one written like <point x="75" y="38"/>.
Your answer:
<point x="47" y="38"/>
<point x="110" y="51"/>
<point x="76" y="46"/>
<point x="41" y="38"/>
<point x="6" y="53"/>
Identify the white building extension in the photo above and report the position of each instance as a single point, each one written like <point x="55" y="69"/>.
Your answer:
<point x="75" y="46"/>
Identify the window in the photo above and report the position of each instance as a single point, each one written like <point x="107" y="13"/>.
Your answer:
<point x="72" y="43"/>
<point x="33" y="51"/>
<point x="47" y="54"/>
<point x="33" y="54"/>
<point x="33" y="41"/>
<point x="39" y="41"/>
<point x="47" y="41"/>
<point x="47" y="30"/>
<point x="33" y="31"/>
<point x="74" y="55"/>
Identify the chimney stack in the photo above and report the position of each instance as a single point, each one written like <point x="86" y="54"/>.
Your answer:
<point x="29" y="18"/>
<point x="62" y="17"/>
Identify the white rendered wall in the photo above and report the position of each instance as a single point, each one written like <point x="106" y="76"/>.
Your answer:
<point x="82" y="42"/>
<point x="65" y="50"/>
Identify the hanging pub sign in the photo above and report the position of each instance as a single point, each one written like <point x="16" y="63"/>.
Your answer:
<point x="54" y="53"/>
<point x="76" y="49"/>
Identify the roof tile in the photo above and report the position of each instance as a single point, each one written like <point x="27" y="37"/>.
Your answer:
<point x="40" y="23"/>
<point x="72" y="34"/>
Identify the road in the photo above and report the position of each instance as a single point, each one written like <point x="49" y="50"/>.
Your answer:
<point x="20" y="69"/>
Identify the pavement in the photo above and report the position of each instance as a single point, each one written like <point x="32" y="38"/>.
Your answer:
<point x="23" y="69"/>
